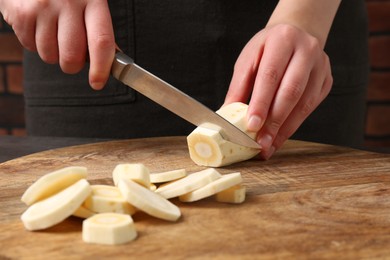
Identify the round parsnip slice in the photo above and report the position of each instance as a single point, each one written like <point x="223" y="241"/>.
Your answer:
<point x="53" y="182"/>
<point x="132" y="171"/>
<point x="208" y="147"/>
<point x="167" y="176"/>
<point x="148" y="201"/>
<point x="105" y="198"/>
<point x="53" y="210"/>
<point x="189" y="183"/>
<point x="109" y="229"/>
<point x="223" y="183"/>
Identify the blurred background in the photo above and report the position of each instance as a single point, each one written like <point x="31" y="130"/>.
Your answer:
<point x="377" y="127"/>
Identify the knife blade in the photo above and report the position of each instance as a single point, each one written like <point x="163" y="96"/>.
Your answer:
<point x="161" y="92"/>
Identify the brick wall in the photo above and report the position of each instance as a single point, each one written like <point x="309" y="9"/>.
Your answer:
<point x="11" y="91"/>
<point x="378" y="97"/>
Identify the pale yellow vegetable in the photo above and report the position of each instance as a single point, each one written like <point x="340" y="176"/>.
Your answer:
<point x="105" y="198"/>
<point x="82" y="212"/>
<point x="189" y="183"/>
<point x="53" y="182"/>
<point x="223" y="183"/>
<point x="235" y="194"/>
<point x="167" y="176"/>
<point x="109" y="229"/>
<point x="53" y="210"/>
<point x="148" y="201"/>
<point x="208" y="147"/>
<point x="132" y="171"/>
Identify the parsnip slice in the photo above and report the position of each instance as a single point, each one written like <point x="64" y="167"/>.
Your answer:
<point x="53" y="182"/>
<point x="105" y="198"/>
<point x="82" y="212"/>
<point x="209" y="148"/>
<point x="167" y="176"/>
<point x="56" y="208"/>
<point x="109" y="229"/>
<point x="132" y="171"/>
<point x="187" y="184"/>
<point x="223" y="183"/>
<point x="235" y="194"/>
<point x="148" y="201"/>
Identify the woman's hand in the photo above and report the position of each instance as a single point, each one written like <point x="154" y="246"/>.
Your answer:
<point x="63" y="31"/>
<point x="285" y="73"/>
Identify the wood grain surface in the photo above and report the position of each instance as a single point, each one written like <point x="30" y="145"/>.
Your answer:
<point x="310" y="201"/>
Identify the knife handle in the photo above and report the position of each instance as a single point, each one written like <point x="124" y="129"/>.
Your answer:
<point x="121" y="61"/>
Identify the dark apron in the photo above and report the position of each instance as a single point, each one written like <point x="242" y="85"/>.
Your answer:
<point x="192" y="45"/>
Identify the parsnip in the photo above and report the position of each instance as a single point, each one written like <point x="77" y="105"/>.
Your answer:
<point x="109" y="229"/>
<point x="187" y="184"/>
<point x="167" y="176"/>
<point x="105" y="198"/>
<point x="53" y="182"/>
<point x="148" y="201"/>
<point x="208" y="147"/>
<point x="132" y="171"/>
<point x="223" y="183"/>
<point x="54" y="209"/>
<point x="235" y="194"/>
<point x="82" y="212"/>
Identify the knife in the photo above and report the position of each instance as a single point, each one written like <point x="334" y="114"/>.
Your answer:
<point x="125" y="70"/>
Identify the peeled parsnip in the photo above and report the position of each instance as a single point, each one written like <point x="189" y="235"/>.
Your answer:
<point x="109" y="229"/>
<point x="106" y="198"/>
<point x="235" y="194"/>
<point x="137" y="172"/>
<point x="207" y="147"/>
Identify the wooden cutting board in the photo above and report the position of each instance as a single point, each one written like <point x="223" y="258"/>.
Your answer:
<point x="308" y="201"/>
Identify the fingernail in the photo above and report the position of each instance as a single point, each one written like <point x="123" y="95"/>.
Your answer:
<point x="265" y="142"/>
<point x="270" y="153"/>
<point x="97" y="85"/>
<point x="254" y="123"/>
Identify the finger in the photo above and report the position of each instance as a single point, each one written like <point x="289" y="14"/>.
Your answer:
<point x="46" y="38"/>
<point x="271" y="69"/>
<point x="101" y="42"/>
<point x="244" y="73"/>
<point x="71" y="39"/>
<point x="319" y="85"/>
<point x="290" y="91"/>
<point x="23" y="20"/>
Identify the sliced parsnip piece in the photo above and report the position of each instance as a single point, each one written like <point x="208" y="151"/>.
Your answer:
<point x="152" y="187"/>
<point x="208" y="147"/>
<point x="148" y="201"/>
<point x="235" y="194"/>
<point x="109" y="229"/>
<point x="167" y="176"/>
<point x="105" y="198"/>
<point x="82" y="212"/>
<point x="223" y="183"/>
<point x="187" y="184"/>
<point x="132" y="171"/>
<point x="53" y="182"/>
<point x="56" y="208"/>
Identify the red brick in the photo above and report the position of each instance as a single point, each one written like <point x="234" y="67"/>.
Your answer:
<point x="12" y="110"/>
<point x="378" y="120"/>
<point x="380" y="51"/>
<point x="3" y="131"/>
<point x="18" y="132"/>
<point x="379" y="87"/>
<point x="10" y="49"/>
<point x="15" y="79"/>
<point x="378" y="15"/>
<point x="2" y="87"/>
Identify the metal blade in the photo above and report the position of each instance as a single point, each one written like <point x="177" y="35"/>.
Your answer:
<point x="125" y="70"/>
